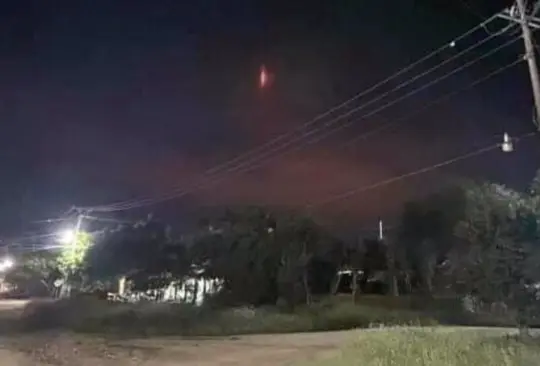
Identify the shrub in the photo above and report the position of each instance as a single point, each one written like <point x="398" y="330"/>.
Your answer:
<point x="350" y="316"/>
<point x="92" y="315"/>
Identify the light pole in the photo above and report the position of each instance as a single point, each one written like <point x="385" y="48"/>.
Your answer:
<point x="518" y="14"/>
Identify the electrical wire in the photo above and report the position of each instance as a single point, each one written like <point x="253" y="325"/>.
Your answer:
<point x="420" y="89"/>
<point x="355" y="97"/>
<point x="408" y="68"/>
<point x="429" y="105"/>
<point x="130" y="204"/>
<point x="355" y="191"/>
<point x="238" y="169"/>
<point x="29" y="237"/>
<point x="105" y="219"/>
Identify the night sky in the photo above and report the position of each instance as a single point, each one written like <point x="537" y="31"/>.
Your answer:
<point x="108" y="100"/>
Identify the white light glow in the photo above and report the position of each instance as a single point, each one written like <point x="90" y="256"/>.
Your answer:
<point x="6" y="264"/>
<point x="66" y="236"/>
<point x="507" y="145"/>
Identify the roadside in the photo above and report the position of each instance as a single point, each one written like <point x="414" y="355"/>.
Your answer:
<point x="54" y="343"/>
<point x="62" y="349"/>
<point x="65" y="349"/>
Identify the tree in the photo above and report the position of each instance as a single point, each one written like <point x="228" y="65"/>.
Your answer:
<point x="35" y="273"/>
<point x="304" y="245"/>
<point x="144" y="253"/>
<point x="71" y="262"/>
<point x="427" y="233"/>
<point x="499" y="256"/>
<point x="240" y="249"/>
<point x="262" y="256"/>
<point x="72" y="257"/>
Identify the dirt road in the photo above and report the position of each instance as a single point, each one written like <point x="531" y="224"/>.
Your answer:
<point x="261" y="350"/>
<point x="63" y="349"/>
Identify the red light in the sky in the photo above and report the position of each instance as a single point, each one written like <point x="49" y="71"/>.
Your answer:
<point x="264" y="77"/>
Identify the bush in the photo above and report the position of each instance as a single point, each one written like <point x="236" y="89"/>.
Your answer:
<point x="42" y="315"/>
<point x="350" y="316"/>
<point x="93" y="315"/>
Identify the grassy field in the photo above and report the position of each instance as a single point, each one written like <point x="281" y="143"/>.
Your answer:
<point x="395" y="331"/>
<point x="88" y="315"/>
<point x="137" y="320"/>
<point x="434" y="347"/>
<point x="92" y="328"/>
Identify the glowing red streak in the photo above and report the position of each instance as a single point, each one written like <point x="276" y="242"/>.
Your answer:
<point x="263" y="77"/>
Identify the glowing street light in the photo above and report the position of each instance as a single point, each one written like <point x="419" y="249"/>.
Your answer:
<point x="6" y="264"/>
<point x="507" y="145"/>
<point x="67" y="236"/>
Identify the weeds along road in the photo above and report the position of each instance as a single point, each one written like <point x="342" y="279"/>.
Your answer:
<point x="65" y="349"/>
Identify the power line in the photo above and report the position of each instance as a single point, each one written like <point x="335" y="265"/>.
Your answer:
<point x="420" y="89"/>
<point x="355" y="97"/>
<point x="245" y="167"/>
<point x="128" y="203"/>
<point x="343" y="195"/>
<point x="395" y="101"/>
<point x="29" y="237"/>
<point x="443" y="98"/>
<point x="106" y="219"/>
<point x="429" y="105"/>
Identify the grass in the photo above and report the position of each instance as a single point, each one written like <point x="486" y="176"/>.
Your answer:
<point x="96" y="316"/>
<point x="434" y="348"/>
<point x="89" y="315"/>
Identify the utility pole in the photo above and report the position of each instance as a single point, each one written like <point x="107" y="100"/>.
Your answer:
<point x="518" y="14"/>
<point x="530" y="54"/>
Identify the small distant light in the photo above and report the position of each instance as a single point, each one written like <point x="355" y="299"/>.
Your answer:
<point x="452" y="44"/>
<point x="507" y="145"/>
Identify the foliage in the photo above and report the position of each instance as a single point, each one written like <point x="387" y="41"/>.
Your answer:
<point x="262" y="256"/>
<point x="426" y="233"/>
<point x="144" y="253"/>
<point x="35" y="273"/>
<point x="72" y="257"/>
<point x="89" y="315"/>
<point x="498" y="259"/>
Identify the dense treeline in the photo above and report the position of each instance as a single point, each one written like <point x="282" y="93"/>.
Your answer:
<point x="479" y="239"/>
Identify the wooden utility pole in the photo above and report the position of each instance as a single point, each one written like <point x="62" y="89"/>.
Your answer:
<point x="518" y="14"/>
<point x="530" y="54"/>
